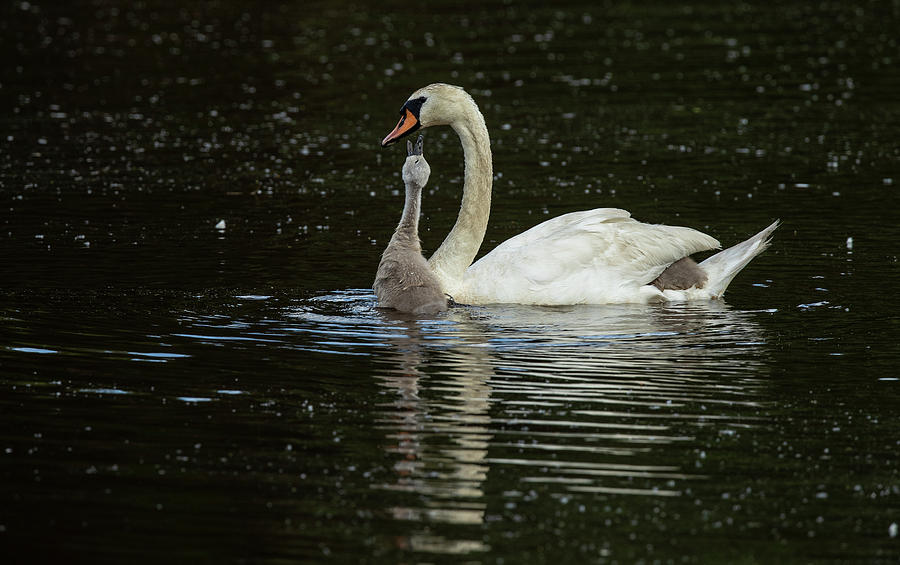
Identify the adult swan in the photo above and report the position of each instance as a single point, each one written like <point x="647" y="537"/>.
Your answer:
<point x="592" y="257"/>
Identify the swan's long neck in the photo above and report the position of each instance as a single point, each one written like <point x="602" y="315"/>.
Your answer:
<point x="407" y="230"/>
<point x="460" y="247"/>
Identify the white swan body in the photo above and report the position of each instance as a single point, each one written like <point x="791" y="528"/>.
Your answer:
<point x="592" y="257"/>
<point x="595" y="257"/>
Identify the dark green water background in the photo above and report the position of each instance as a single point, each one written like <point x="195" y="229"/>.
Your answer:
<point x="170" y="392"/>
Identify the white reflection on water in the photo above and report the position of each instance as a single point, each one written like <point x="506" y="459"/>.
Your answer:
<point x="589" y="401"/>
<point x="440" y="429"/>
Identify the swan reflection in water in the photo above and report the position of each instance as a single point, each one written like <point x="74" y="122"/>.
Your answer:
<point x="440" y="428"/>
<point x="580" y="401"/>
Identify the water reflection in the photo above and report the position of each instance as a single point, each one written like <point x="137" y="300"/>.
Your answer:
<point x="446" y="434"/>
<point x="440" y="422"/>
<point x="570" y="402"/>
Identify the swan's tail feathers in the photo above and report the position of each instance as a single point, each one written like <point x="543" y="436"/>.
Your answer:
<point x="724" y="265"/>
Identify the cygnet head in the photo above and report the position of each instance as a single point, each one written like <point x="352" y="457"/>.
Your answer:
<point x="437" y="104"/>
<point x="416" y="169"/>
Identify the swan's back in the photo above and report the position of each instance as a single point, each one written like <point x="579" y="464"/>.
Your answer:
<point x="594" y="256"/>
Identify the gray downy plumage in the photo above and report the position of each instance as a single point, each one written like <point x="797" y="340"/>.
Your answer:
<point x="680" y="275"/>
<point x="404" y="281"/>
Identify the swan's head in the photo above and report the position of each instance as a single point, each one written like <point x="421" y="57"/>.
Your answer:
<point x="434" y="105"/>
<point x="416" y="169"/>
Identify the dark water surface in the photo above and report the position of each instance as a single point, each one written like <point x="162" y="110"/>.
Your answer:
<point x="173" y="392"/>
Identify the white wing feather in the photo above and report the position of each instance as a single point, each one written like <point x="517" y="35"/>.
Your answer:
<point x="594" y="256"/>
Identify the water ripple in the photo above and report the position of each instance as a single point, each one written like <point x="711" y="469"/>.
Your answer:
<point x="581" y="400"/>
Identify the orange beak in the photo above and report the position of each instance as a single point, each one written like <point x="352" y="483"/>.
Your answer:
<point x="407" y="124"/>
